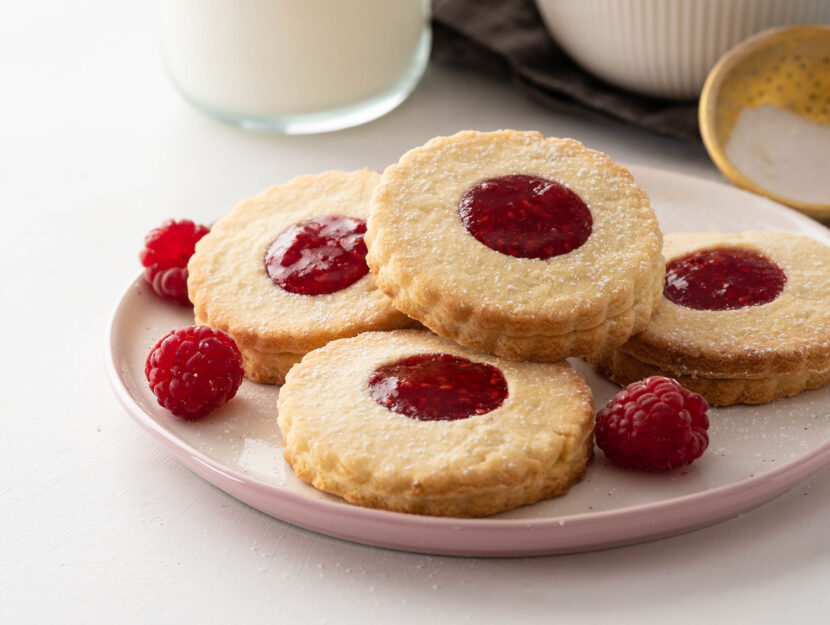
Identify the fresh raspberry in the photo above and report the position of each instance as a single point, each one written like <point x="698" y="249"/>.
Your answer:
<point x="193" y="370"/>
<point x="166" y="252"/>
<point x="654" y="424"/>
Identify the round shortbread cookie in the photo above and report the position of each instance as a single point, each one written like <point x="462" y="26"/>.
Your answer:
<point x="533" y="446"/>
<point x="231" y="290"/>
<point x="575" y="303"/>
<point x="753" y="354"/>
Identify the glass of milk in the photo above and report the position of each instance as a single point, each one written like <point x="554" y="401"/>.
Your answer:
<point x="295" y="66"/>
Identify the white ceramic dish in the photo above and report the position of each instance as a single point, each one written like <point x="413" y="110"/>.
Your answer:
<point x="665" y="48"/>
<point x="755" y="452"/>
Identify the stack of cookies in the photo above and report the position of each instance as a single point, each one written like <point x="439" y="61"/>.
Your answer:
<point x="745" y="318"/>
<point x="517" y="245"/>
<point x="506" y="252"/>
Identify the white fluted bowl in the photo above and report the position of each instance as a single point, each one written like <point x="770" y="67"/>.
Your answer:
<point x="665" y="48"/>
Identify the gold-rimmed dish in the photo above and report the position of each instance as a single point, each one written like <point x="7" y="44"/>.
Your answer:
<point x="784" y="68"/>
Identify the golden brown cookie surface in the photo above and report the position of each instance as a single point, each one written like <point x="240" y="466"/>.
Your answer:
<point x="340" y="438"/>
<point x="231" y="289"/>
<point x="572" y="303"/>
<point x="750" y="354"/>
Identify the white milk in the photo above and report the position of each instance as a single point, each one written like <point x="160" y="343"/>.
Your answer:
<point x="268" y="59"/>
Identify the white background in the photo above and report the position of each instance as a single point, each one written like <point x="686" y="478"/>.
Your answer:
<point x="99" y="525"/>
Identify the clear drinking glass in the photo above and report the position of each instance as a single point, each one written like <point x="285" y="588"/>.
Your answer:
<point x="295" y="66"/>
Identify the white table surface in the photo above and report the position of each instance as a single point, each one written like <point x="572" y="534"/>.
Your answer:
<point x="99" y="525"/>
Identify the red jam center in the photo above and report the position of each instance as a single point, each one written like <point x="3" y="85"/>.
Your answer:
<point x="525" y="216"/>
<point x="319" y="255"/>
<point x="438" y="387"/>
<point x="723" y="279"/>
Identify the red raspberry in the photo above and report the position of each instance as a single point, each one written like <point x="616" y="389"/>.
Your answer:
<point x="166" y="252"/>
<point x="655" y="424"/>
<point x="193" y="370"/>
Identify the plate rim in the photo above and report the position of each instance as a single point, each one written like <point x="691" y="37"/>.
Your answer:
<point x="295" y="508"/>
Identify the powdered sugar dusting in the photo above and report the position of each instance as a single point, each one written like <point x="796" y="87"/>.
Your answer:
<point x="232" y="290"/>
<point x="796" y="323"/>
<point x="422" y="241"/>
<point x="782" y="152"/>
<point x="352" y="439"/>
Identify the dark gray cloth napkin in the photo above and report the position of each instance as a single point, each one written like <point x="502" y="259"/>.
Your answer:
<point x="509" y="37"/>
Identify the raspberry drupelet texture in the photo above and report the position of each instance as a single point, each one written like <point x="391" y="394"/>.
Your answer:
<point x="654" y="424"/>
<point x="193" y="370"/>
<point x="166" y="252"/>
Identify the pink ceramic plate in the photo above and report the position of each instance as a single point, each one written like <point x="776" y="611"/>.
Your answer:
<point x="755" y="453"/>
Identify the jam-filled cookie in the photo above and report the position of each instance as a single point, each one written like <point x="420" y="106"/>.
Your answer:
<point x="285" y="272"/>
<point x="412" y="422"/>
<point x="510" y="243"/>
<point x="745" y="318"/>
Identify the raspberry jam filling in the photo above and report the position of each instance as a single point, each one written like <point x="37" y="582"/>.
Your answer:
<point x="723" y="279"/>
<point x="525" y="216"/>
<point x="319" y="255"/>
<point x="438" y="387"/>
